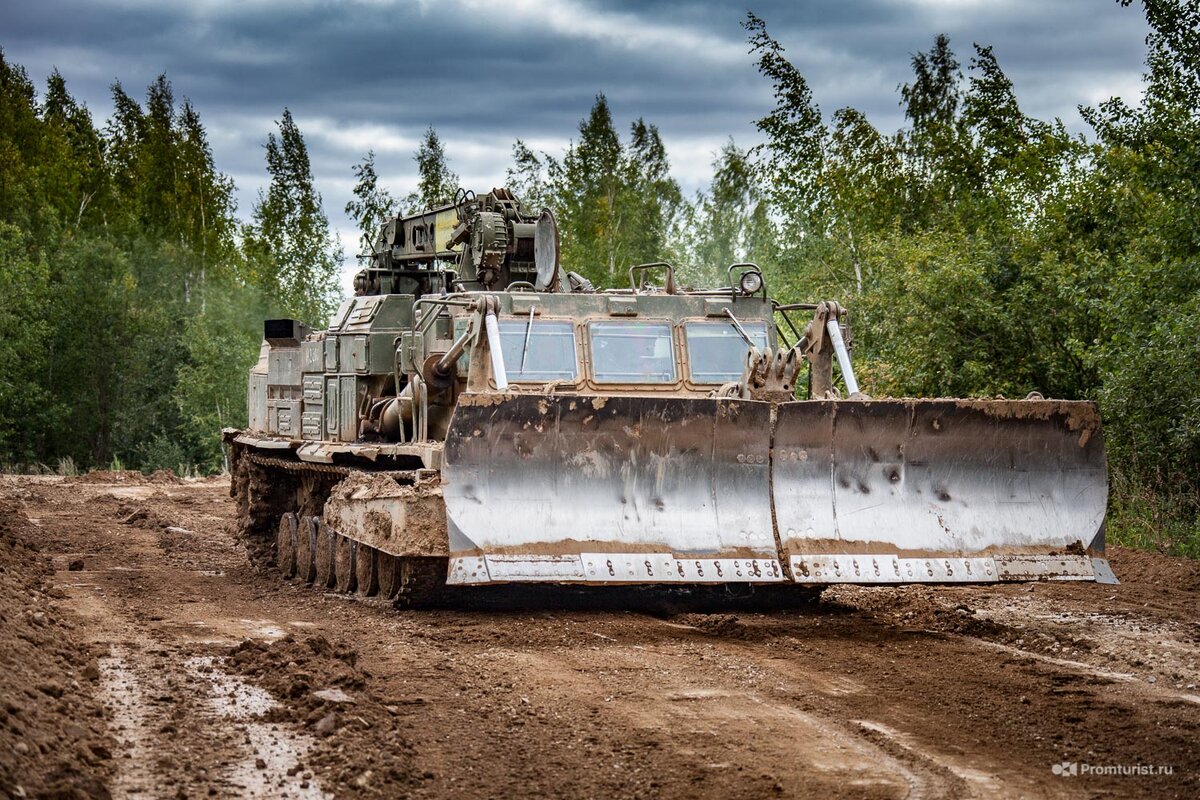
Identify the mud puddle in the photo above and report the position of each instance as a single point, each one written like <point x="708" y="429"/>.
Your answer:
<point x="210" y="739"/>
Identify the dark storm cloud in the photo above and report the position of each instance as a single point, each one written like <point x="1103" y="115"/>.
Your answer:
<point x="375" y="74"/>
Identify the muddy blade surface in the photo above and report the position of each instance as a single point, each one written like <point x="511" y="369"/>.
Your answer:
<point x="899" y="491"/>
<point x="616" y="489"/>
<point x="682" y="490"/>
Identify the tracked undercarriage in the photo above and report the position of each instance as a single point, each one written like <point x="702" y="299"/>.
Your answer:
<point x="503" y="422"/>
<point x="282" y="505"/>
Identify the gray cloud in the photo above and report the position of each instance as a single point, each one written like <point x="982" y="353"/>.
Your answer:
<point x="375" y="73"/>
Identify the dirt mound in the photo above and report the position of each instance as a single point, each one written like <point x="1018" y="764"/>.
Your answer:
<point x="925" y="607"/>
<point x="145" y="517"/>
<point x="165" y="476"/>
<point x="367" y="485"/>
<point x="726" y="626"/>
<point x="130" y="476"/>
<point x="52" y="730"/>
<point x="1155" y="569"/>
<point x="361" y="750"/>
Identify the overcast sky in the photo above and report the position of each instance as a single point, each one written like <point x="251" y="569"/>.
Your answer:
<point x="376" y="73"/>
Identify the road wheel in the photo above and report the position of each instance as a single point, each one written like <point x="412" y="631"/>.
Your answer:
<point x="366" y="572"/>
<point x="285" y="545"/>
<point x="345" y="553"/>
<point x="323" y="537"/>
<point x="387" y="570"/>
<point x="306" y="547"/>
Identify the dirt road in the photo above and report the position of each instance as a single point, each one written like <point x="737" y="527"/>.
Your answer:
<point x="164" y="666"/>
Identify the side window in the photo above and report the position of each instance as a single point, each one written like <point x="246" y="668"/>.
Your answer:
<point x="541" y="350"/>
<point x="632" y="352"/>
<point x="717" y="352"/>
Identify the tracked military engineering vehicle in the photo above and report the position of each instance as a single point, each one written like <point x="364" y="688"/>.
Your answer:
<point x="478" y="415"/>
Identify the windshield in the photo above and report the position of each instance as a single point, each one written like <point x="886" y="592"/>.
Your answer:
<point x="717" y="352"/>
<point x="632" y="352"/>
<point x="550" y="355"/>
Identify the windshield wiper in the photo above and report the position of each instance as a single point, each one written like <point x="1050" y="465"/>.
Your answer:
<point x="741" y="331"/>
<point x="528" y="330"/>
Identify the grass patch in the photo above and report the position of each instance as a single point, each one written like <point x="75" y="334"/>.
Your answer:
<point x="1154" y="515"/>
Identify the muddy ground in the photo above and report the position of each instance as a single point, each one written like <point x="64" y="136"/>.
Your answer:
<point x="142" y="657"/>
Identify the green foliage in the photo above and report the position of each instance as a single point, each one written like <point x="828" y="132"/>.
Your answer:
<point x="210" y="394"/>
<point x="293" y="256"/>
<point x="371" y="206"/>
<point x="729" y="223"/>
<point x="527" y="176"/>
<point x="792" y="160"/>
<point x="129" y="312"/>
<point x="1145" y="512"/>
<point x="96" y="330"/>
<point x="436" y="182"/>
<point x="23" y="356"/>
<point x="585" y="187"/>
<point x="162" y="452"/>
<point x="616" y="203"/>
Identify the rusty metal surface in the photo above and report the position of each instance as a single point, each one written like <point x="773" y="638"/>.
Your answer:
<point x="308" y="467"/>
<point x="541" y="478"/>
<point x="887" y="568"/>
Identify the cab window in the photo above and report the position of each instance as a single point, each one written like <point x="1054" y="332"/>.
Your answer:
<point x="550" y="355"/>
<point x="717" y="352"/>
<point x="632" y="352"/>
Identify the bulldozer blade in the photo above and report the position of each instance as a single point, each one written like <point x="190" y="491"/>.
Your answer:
<point x="940" y="491"/>
<point x="615" y="489"/>
<point x="625" y="489"/>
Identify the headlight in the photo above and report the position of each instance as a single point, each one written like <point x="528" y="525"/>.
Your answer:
<point x="750" y="282"/>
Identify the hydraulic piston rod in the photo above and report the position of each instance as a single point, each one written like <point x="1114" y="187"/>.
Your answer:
<point x="843" y="357"/>
<point x="456" y="349"/>
<point x="493" y="334"/>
